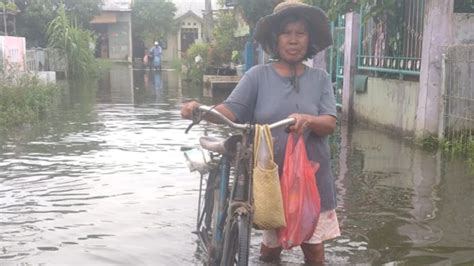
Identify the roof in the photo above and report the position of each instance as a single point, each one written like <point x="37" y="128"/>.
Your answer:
<point x="104" y="18"/>
<point x="117" y="5"/>
<point x="191" y="14"/>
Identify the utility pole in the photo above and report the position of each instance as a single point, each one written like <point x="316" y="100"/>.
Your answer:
<point x="4" y="14"/>
<point x="208" y="21"/>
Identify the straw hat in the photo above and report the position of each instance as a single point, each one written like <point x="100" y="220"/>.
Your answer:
<point x="267" y="27"/>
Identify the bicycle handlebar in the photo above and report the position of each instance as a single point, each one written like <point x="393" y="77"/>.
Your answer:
<point x="203" y="110"/>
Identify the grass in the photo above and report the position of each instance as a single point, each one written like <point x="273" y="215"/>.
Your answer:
<point x="459" y="145"/>
<point x="25" y="99"/>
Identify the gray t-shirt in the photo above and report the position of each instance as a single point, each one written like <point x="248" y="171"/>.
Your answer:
<point x="263" y="96"/>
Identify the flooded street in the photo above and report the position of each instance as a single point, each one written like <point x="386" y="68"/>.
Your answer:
<point x="105" y="183"/>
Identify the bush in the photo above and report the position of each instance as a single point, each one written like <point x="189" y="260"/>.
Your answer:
<point x="196" y="61"/>
<point x="25" y="100"/>
<point x="11" y="7"/>
<point x="73" y="43"/>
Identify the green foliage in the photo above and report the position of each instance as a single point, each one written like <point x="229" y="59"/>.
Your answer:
<point x="81" y="11"/>
<point x="195" y="70"/>
<point x="33" y="22"/>
<point x="253" y="10"/>
<point x="221" y="50"/>
<point x="35" y="15"/>
<point x="25" y="99"/>
<point x="460" y="145"/>
<point x="73" y="43"/>
<point x="8" y="6"/>
<point x="334" y="8"/>
<point x="152" y="19"/>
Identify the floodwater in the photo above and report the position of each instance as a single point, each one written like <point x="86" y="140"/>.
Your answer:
<point x="105" y="183"/>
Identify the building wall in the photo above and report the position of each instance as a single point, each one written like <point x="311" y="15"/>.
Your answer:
<point x="171" y="51"/>
<point x="120" y="41"/>
<point x="12" y="53"/>
<point x="463" y="24"/>
<point x="188" y="23"/>
<point x="389" y="103"/>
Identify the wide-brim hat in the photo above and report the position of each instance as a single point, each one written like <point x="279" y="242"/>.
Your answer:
<point x="318" y="23"/>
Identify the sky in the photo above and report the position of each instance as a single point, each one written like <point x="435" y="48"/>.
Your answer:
<point x="197" y="6"/>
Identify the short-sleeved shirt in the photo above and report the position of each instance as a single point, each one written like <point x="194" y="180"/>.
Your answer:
<point x="263" y="96"/>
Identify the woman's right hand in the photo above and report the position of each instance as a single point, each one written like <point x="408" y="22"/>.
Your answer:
<point x="187" y="109"/>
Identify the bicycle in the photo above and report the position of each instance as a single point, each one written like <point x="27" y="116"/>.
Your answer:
<point x="224" y="217"/>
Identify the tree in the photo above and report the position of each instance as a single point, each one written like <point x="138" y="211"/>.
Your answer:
<point x="224" y="40"/>
<point x="35" y="15"/>
<point x="152" y="19"/>
<point x="73" y="44"/>
<point x="253" y="10"/>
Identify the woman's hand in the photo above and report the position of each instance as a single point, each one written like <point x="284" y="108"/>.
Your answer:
<point x="301" y="123"/>
<point x="187" y="109"/>
<point x="321" y="125"/>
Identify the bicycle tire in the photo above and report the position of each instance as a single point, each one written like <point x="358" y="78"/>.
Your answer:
<point x="237" y="242"/>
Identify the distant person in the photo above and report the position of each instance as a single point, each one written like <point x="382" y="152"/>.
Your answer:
<point x="155" y="56"/>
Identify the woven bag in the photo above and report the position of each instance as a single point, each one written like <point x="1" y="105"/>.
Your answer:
<point x="267" y="204"/>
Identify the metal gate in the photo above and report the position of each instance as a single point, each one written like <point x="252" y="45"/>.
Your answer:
<point x="457" y="119"/>
<point x="336" y="60"/>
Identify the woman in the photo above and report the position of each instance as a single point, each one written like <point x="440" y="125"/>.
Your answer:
<point x="287" y="88"/>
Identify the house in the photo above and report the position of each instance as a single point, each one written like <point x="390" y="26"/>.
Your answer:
<point x="190" y="27"/>
<point x="409" y="73"/>
<point x="12" y="53"/>
<point x="114" y="29"/>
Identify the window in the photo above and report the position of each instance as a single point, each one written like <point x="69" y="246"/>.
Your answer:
<point x="463" y="6"/>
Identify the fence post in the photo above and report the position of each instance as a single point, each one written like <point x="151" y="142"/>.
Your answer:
<point x="351" y="42"/>
<point x="437" y="35"/>
<point x="442" y="115"/>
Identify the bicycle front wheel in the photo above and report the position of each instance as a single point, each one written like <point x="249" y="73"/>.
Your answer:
<point x="237" y="242"/>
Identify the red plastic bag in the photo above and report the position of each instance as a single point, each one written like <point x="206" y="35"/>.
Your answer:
<point x="300" y="195"/>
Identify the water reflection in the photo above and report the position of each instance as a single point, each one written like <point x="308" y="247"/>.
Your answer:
<point x="104" y="182"/>
<point x="391" y="203"/>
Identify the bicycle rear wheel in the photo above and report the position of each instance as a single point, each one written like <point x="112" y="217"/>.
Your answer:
<point x="237" y="242"/>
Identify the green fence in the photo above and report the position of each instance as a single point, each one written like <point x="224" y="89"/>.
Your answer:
<point x="390" y="41"/>
<point x="336" y="60"/>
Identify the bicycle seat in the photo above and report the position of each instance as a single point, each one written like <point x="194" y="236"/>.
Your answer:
<point x="220" y="145"/>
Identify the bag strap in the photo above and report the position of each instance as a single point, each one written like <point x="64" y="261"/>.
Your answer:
<point x="256" y="143"/>
<point x="267" y="134"/>
<point x="263" y="136"/>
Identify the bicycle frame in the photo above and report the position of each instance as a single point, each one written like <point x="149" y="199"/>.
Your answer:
<point x="227" y="206"/>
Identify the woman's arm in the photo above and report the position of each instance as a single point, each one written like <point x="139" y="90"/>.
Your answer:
<point x="188" y="107"/>
<point x="321" y="125"/>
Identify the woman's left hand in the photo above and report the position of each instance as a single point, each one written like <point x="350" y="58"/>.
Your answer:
<point x="302" y="122"/>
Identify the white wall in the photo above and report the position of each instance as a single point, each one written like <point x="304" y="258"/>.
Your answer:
<point x="463" y="23"/>
<point x="389" y="103"/>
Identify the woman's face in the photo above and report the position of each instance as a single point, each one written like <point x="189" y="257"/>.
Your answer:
<point x="293" y="42"/>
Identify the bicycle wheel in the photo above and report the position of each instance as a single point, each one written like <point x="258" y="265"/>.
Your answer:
<point x="237" y="242"/>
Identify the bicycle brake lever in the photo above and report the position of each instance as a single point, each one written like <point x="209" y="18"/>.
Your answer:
<point x="189" y="127"/>
<point x="197" y="117"/>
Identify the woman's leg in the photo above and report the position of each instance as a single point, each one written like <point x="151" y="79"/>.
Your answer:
<point x="327" y="228"/>
<point x="270" y="250"/>
<point x="313" y="253"/>
<point x="268" y="254"/>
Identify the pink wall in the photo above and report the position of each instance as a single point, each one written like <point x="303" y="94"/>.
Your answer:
<point x="13" y="51"/>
